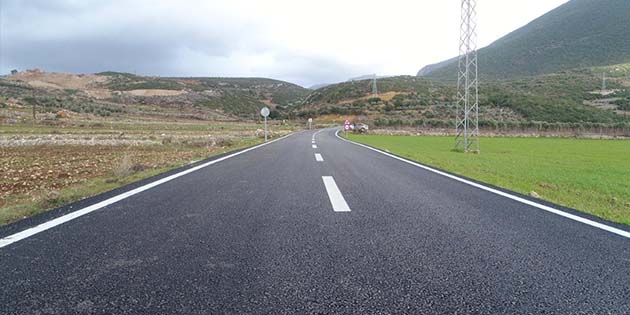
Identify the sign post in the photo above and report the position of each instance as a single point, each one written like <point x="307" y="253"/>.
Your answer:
<point x="310" y="123"/>
<point x="265" y="112"/>
<point x="346" y="127"/>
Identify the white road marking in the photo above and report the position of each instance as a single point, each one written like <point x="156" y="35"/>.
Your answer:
<point x="315" y="134"/>
<point x="561" y="213"/>
<point x="313" y="142"/>
<point x="336" y="198"/>
<point x="318" y="157"/>
<point x="76" y="214"/>
<point x="314" y="146"/>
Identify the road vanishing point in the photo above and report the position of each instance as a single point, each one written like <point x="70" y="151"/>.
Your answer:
<point x="312" y="224"/>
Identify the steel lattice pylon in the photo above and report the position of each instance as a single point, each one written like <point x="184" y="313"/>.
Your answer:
<point x="374" y="87"/>
<point x="467" y="117"/>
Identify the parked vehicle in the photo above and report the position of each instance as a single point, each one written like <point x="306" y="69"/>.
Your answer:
<point x="362" y="128"/>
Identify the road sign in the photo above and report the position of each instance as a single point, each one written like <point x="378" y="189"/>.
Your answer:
<point x="264" y="112"/>
<point x="310" y="123"/>
<point x="346" y="127"/>
<point x="346" y="123"/>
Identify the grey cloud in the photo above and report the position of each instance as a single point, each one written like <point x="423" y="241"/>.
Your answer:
<point x="308" y="71"/>
<point x="81" y="56"/>
<point x="92" y="36"/>
<point x="59" y="6"/>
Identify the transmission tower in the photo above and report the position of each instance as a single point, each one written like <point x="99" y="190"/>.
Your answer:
<point x="467" y="117"/>
<point x="374" y="87"/>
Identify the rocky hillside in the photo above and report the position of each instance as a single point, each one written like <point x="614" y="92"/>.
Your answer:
<point x="568" y="97"/>
<point x="113" y="93"/>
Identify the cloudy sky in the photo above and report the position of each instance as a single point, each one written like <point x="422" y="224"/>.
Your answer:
<point x="305" y="42"/>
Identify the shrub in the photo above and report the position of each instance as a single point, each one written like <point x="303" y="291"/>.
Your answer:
<point x="124" y="168"/>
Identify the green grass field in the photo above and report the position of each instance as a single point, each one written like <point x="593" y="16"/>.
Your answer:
<point x="592" y="176"/>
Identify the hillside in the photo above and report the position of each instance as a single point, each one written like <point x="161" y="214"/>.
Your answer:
<point x="114" y="93"/>
<point x="318" y="86"/>
<point x="578" y="34"/>
<point x="568" y="97"/>
<point x="359" y="78"/>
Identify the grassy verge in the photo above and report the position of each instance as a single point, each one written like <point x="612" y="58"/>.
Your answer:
<point x="592" y="176"/>
<point x="127" y="168"/>
<point x="85" y="127"/>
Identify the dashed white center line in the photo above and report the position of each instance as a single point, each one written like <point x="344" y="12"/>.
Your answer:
<point x="336" y="198"/>
<point x="315" y="134"/>
<point x="314" y="146"/>
<point x="318" y="157"/>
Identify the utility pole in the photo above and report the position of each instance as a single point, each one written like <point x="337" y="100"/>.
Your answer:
<point x="467" y="117"/>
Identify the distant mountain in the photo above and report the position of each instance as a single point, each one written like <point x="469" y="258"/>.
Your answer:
<point x="368" y="77"/>
<point x="318" y="86"/>
<point x="578" y="34"/>
<point x="430" y="68"/>
<point x="359" y="78"/>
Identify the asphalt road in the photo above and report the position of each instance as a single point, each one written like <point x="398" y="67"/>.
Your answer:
<point x="259" y="234"/>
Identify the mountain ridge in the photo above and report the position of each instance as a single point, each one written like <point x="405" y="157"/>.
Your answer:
<point x="108" y="93"/>
<point x="566" y="97"/>
<point x="577" y="34"/>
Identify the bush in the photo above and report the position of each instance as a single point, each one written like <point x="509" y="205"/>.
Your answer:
<point x="623" y="104"/>
<point x="124" y="168"/>
<point x="374" y="100"/>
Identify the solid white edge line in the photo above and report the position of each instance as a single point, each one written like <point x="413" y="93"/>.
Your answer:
<point x="8" y="240"/>
<point x="561" y="213"/>
<point x="334" y="194"/>
<point x="318" y="157"/>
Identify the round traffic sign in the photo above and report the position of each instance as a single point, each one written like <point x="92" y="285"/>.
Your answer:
<point x="264" y="111"/>
<point x="346" y="127"/>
